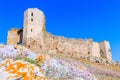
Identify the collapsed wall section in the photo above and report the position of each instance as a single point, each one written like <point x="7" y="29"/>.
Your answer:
<point x="14" y="36"/>
<point x="69" y="47"/>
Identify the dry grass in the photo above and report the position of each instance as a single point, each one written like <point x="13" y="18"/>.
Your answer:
<point x="105" y="66"/>
<point x="101" y="71"/>
<point x="102" y="77"/>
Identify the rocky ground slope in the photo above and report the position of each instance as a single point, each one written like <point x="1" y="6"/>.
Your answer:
<point x="18" y="63"/>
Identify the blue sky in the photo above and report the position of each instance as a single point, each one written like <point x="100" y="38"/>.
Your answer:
<point x="97" y="19"/>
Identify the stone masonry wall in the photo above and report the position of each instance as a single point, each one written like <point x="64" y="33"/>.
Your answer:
<point x="77" y="47"/>
<point x="34" y="29"/>
<point x="95" y="49"/>
<point x="105" y="50"/>
<point x="13" y="36"/>
<point x="35" y="37"/>
<point x="70" y="47"/>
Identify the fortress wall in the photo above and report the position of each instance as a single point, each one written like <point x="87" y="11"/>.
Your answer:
<point x="95" y="49"/>
<point x="105" y="50"/>
<point x="70" y="47"/>
<point x="108" y="51"/>
<point x="34" y="45"/>
<point x="13" y="37"/>
<point x="34" y="36"/>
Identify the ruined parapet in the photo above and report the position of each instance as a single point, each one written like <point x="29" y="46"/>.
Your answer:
<point x="105" y="50"/>
<point x="14" y="36"/>
<point x="95" y="49"/>
<point x="34" y="29"/>
<point x="68" y="46"/>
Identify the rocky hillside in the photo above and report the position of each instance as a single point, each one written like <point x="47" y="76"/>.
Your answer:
<point x="18" y="63"/>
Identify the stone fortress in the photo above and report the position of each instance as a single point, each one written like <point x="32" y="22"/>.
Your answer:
<point x="35" y="37"/>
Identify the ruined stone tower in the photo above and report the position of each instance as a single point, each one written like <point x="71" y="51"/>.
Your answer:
<point x="35" y="37"/>
<point x="34" y="29"/>
<point x="105" y="51"/>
